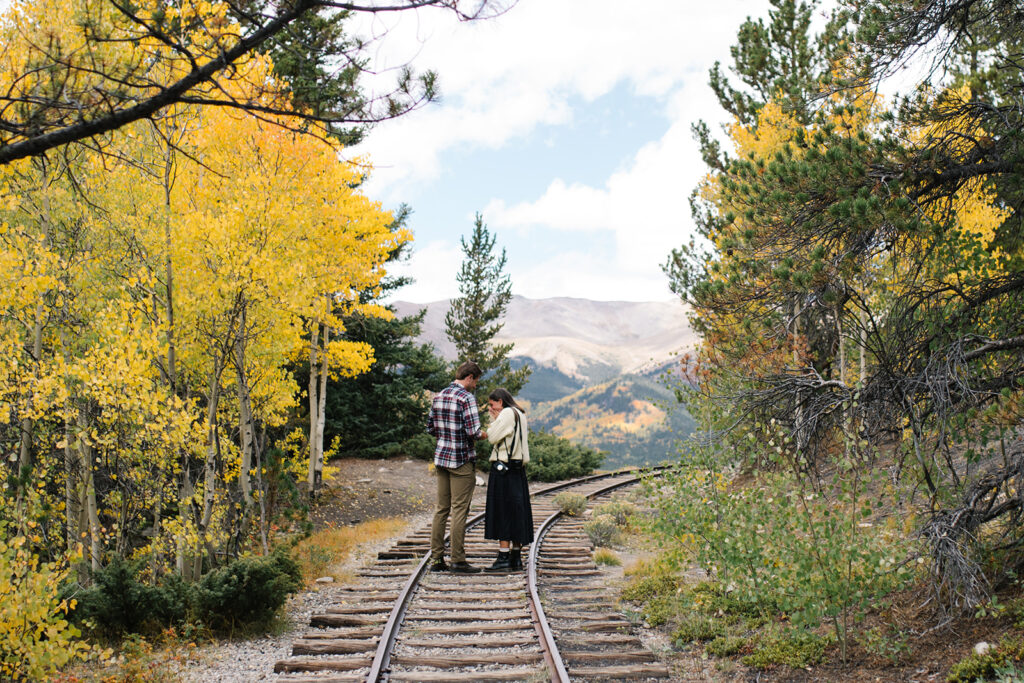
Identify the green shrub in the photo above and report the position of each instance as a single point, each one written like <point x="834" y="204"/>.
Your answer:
<point x="659" y="610"/>
<point x="725" y="646"/>
<point x="572" y="504"/>
<point x="795" y="649"/>
<point x="247" y="591"/>
<point x="553" y="458"/>
<point x="643" y="588"/>
<point x="602" y="531"/>
<point x="118" y="603"/>
<point x="995" y="662"/>
<point x="619" y="510"/>
<point x="697" y="627"/>
<point x="888" y="642"/>
<point x="420" y="446"/>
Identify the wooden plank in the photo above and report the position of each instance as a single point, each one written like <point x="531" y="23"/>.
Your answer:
<point x="482" y="615"/>
<point x="460" y="660"/>
<point x="321" y="664"/>
<point x="476" y="627"/>
<point x="336" y="633"/>
<point x="425" y="594"/>
<point x="607" y="655"/>
<point x="299" y="678"/>
<point x="620" y="673"/>
<point x="596" y="639"/>
<point x="503" y="641"/>
<point x="519" y="674"/>
<point x="337" y="646"/>
<point x="470" y="606"/>
<point x="614" y="625"/>
<point x="580" y="614"/>
<point x="325" y="620"/>
<point x="376" y="609"/>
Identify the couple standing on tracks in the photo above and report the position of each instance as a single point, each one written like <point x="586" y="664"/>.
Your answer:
<point x="455" y="421"/>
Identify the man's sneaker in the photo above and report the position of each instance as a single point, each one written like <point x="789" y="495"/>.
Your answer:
<point x="439" y="566"/>
<point x="464" y="568"/>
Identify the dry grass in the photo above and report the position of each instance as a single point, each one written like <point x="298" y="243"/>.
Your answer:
<point x="607" y="557"/>
<point x="326" y="551"/>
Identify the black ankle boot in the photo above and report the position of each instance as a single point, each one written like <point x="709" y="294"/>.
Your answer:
<point x="515" y="559"/>
<point x="502" y="563"/>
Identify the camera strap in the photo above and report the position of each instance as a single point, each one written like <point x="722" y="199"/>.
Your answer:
<point x="517" y="430"/>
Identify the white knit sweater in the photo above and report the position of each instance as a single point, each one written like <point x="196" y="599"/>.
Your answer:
<point x="500" y="433"/>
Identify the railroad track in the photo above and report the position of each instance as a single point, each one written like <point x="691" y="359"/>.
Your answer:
<point x="553" y="621"/>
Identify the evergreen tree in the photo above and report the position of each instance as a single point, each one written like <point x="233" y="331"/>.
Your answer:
<point x="475" y="317"/>
<point x="377" y="413"/>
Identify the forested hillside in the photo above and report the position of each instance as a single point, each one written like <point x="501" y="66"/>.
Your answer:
<point x="634" y="418"/>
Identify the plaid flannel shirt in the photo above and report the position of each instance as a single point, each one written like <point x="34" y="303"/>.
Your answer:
<point x="455" y="421"/>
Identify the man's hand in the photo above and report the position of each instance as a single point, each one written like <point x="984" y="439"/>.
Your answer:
<point x="483" y="435"/>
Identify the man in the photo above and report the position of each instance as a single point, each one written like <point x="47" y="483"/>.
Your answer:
<point x="455" y="421"/>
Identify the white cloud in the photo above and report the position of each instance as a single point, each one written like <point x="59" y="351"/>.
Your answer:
<point x="501" y="78"/>
<point x="433" y="267"/>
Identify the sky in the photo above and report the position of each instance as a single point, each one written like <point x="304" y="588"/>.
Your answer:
<point x="566" y="124"/>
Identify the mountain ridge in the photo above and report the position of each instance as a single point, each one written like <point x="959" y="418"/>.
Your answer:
<point x="581" y="338"/>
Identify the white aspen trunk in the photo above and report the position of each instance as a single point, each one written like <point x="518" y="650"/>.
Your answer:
<point x="72" y="470"/>
<point x="259" y="448"/>
<point x="244" y="416"/>
<point x="322" y="412"/>
<point x="71" y="478"/>
<point x="86" y="459"/>
<point x="27" y="424"/>
<point x="314" y="407"/>
<point x="209" y="468"/>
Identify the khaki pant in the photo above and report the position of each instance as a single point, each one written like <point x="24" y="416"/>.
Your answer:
<point x="454" y="494"/>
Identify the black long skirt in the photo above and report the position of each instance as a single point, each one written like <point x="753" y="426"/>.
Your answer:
<point x="509" y="517"/>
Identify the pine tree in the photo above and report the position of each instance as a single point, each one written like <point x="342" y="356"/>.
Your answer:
<point x="475" y="317"/>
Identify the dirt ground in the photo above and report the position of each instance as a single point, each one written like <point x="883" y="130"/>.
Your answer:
<point x="362" y="490"/>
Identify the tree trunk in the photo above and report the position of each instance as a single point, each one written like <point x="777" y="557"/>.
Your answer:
<point x="27" y="424"/>
<point x="246" y="435"/>
<point x="322" y="412"/>
<point x="314" y="407"/>
<point x="318" y="366"/>
<point x="210" y="467"/>
<point x="88" y="481"/>
<point x="863" y="346"/>
<point x="72" y="467"/>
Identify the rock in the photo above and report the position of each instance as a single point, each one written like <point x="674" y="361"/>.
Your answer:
<point x="982" y="648"/>
<point x="365" y="481"/>
<point x="382" y="469"/>
<point x="325" y="579"/>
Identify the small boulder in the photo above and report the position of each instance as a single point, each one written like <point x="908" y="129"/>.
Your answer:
<point x="325" y="579"/>
<point x="982" y="648"/>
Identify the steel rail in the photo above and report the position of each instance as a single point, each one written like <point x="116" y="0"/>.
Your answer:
<point x="382" y="657"/>
<point x="559" y="674"/>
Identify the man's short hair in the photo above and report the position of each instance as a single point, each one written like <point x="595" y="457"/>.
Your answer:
<point x="468" y="369"/>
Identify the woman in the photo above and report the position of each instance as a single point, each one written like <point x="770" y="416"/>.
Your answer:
<point x="509" y="517"/>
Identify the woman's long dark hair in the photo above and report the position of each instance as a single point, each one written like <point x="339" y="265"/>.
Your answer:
<point x="501" y="394"/>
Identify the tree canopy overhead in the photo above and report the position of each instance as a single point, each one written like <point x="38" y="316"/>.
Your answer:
<point x="77" y="70"/>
